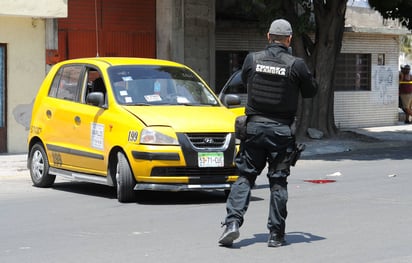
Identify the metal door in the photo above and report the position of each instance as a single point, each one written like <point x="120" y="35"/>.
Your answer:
<point x="124" y="28"/>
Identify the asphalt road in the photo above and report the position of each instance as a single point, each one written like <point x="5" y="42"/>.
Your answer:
<point x="364" y="216"/>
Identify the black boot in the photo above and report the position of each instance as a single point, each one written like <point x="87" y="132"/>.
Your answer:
<point x="231" y="233"/>
<point x="276" y="240"/>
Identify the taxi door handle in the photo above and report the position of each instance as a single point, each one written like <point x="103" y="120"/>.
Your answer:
<point x="77" y="120"/>
<point x="49" y="114"/>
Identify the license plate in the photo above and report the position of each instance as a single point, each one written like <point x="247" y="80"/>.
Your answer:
<point x="211" y="159"/>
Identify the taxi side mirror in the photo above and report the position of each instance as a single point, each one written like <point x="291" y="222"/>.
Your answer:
<point x="95" y="98"/>
<point x="231" y="100"/>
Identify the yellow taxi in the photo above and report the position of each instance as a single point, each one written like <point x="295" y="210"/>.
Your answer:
<point x="131" y="123"/>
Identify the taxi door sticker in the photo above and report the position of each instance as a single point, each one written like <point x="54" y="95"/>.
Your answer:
<point x="97" y="135"/>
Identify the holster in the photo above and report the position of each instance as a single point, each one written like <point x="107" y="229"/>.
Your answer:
<point x="295" y="154"/>
<point x="240" y="127"/>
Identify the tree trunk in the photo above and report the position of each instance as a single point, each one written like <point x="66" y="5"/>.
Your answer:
<point x="319" y="112"/>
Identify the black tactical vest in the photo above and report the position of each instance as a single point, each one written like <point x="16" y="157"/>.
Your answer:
<point x="270" y="89"/>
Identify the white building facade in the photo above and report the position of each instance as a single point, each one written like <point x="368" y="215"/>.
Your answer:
<point x="369" y="37"/>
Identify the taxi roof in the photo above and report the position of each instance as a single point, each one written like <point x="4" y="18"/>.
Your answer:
<point x="117" y="61"/>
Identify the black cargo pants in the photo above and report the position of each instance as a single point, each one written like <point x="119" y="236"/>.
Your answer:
<point x="266" y="142"/>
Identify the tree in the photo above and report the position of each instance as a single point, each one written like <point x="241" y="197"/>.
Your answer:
<point x="321" y="54"/>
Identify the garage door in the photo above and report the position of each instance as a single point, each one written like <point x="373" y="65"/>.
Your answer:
<point x="108" y="28"/>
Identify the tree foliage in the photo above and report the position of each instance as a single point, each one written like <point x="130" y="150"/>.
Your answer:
<point x="394" y="9"/>
<point x="406" y="44"/>
<point x="401" y="10"/>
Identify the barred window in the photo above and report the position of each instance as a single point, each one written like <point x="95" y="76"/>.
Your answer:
<point x="353" y="72"/>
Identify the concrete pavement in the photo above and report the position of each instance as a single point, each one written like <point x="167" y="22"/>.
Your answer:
<point x="13" y="164"/>
<point x="348" y="140"/>
<point x="361" y="138"/>
<point x="363" y="217"/>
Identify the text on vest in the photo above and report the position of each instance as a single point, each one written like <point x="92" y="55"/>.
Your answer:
<point x="271" y="70"/>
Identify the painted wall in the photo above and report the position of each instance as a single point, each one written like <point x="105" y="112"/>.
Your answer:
<point x="200" y="37"/>
<point x="185" y="32"/>
<point x="38" y="8"/>
<point x="25" y="39"/>
<point x="366" y="17"/>
<point x="170" y="30"/>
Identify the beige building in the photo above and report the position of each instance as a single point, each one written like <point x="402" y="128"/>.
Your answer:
<point x="22" y="63"/>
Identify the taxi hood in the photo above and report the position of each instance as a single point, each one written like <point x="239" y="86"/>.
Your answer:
<point x="186" y="118"/>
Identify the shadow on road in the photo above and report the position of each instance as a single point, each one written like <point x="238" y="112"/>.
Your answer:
<point x="291" y="238"/>
<point x="372" y="153"/>
<point x="86" y="189"/>
<point x="147" y="197"/>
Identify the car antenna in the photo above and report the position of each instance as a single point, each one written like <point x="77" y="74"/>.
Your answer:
<point x="97" y="32"/>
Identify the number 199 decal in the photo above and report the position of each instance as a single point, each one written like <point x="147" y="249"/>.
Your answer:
<point x="133" y="136"/>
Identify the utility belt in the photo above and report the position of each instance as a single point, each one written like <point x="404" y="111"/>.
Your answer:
<point x="294" y="153"/>
<point x="241" y="121"/>
<point x="267" y="119"/>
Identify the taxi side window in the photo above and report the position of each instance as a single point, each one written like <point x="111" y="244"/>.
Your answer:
<point x="66" y="83"/>
<point x="94" y="82"/>
<point x="236" y="85"/>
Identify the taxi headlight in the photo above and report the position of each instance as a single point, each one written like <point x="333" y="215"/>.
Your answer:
<point x="158" y="135"/>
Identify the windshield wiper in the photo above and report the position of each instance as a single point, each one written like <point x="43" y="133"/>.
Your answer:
<point x="138" y="104"/>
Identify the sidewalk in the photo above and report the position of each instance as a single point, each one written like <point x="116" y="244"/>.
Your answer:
<point x="13" y="164"/>
<point x="361" y="138"/>
<point x="347" y="140"/>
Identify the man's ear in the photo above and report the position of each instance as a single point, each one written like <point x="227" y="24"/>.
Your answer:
<point x="289" y="40"/>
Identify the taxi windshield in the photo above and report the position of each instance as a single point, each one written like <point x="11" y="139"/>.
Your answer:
<point x="158" y="85"/>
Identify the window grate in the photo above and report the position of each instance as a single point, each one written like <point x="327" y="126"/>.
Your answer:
<point x="352" y="72"/>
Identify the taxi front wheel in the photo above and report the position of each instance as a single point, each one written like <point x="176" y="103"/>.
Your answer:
<point x="124" y="180"/>
<point x="39" y="167"/>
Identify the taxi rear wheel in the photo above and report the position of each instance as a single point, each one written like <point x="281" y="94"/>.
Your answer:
<point x="39" y="167"/>
<point x="124" y="180"/>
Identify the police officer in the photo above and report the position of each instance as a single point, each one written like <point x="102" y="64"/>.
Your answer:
<point x="274" y="79"/>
